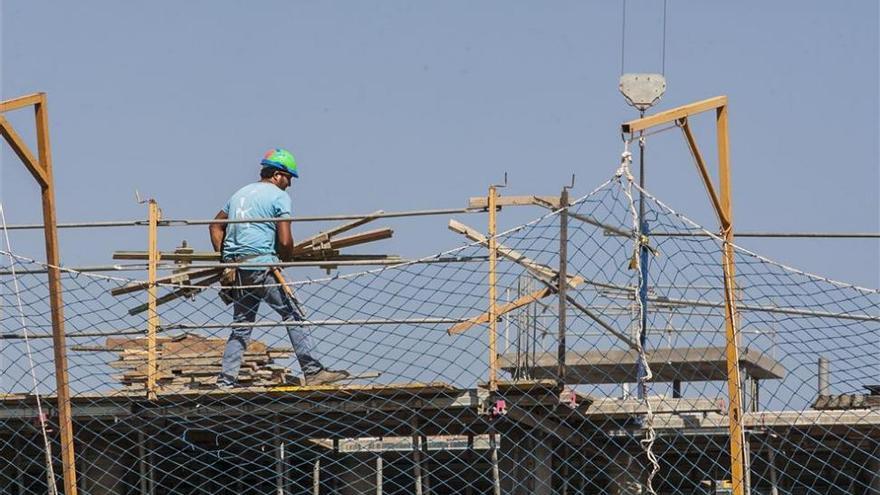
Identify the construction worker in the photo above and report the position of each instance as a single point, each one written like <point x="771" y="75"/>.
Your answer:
<point x="263" y="242"/>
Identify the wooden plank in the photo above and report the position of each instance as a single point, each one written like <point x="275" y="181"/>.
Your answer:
<point x="128" y="342"/>
<point x="21" y="102"/>
<point x="504" y="309"/>
<point x="562" y="286"/>
<point x="167" y="256"/>
<point x="152" y="314"/>
<point x="174" y="278"/>
<point x="95" y="348"/>
<point x="673" y="114"/>
<point x="588" y="219"/>
<point x="327" y="234"/>
<point x="493" y="309"/>
<point x="184" y="292"/>
<point x="353" y="240"/>
<point x="303" y="250"/>
<point x="325" y="255"/>
<point x="133" y="359"/>
<point x="23" y="152"/>
<point x="483" y="201"/>
<point x="200" y="360"/>
<point x="536" y="268"/>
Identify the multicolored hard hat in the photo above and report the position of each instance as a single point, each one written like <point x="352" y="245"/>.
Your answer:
<point x="282" y="160"/>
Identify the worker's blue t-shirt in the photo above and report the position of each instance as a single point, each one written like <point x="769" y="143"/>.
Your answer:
<point x="258" y="200"/>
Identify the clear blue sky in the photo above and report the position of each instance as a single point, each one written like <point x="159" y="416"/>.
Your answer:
<point x="409" y="105"/>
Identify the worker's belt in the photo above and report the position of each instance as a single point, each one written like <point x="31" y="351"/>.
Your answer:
<point x="229" y="277"/>
<point x="242" y="259"/>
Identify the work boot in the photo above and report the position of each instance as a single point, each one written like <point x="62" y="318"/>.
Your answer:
<point x="224" y="383"/>
<point x="325" y="377"/>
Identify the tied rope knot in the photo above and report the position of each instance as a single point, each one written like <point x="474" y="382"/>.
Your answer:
<point x="625" y="161"/>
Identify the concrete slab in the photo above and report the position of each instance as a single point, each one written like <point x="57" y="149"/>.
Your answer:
<point x="694" y="364"/>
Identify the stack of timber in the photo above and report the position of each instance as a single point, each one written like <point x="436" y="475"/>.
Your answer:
<point x="193" y="361"/>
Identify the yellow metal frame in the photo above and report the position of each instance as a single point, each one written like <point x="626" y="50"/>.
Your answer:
<point x="154" y="215"/>
<point x="40" y="168"/>
<point x="724" y="210"/>
<point x="493" y="308"/>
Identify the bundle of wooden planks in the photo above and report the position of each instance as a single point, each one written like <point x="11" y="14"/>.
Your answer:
<point x="189" y="361"/>
<point x="189" y="278"/>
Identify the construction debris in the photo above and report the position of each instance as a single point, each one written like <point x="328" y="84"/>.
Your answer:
<point x="193" y="361"/>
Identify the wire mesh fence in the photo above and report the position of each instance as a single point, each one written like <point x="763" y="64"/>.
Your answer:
<point x="639" y="402"/>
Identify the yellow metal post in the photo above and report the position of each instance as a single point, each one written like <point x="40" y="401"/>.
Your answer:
<point x="735" y="419"/>
<point x="40" y="167"/>
<point x="152" y="315"/>
<point x="723" y="207"/>
<point x="493" y="311"/>
<point x="44" y="155"/>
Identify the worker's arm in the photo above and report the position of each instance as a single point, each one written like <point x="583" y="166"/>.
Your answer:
<point x="284" y="241"/>
<point x="218" y="231"/>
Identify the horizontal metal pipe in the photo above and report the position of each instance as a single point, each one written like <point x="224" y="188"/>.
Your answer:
<point x="306" y="323"/>
<point x="71" y="335"/>
<point x="781" y="235"/>
<point x="258" y="324"/>
<point x="665" y="302"/>
<point x="765" y="309"/>
<point x="449" y="211"/>
<point x="186" y="222"/>
<point x="658" y="331"/>
<point x="80" y="225"/>
<point x="143" y="266"/>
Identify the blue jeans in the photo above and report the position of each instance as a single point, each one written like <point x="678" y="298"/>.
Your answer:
<point x="246" y="303"/>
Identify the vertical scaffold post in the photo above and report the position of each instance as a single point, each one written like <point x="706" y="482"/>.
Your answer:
<point x="493" y="311"/>
<point x="316" y="476"/>
<point x="469" y="461"/>
<point x="737" y="435"/>
<point x="280" y="459"/>
<point x="725" y="214"/>
<point x="379" y="469"/>
<point x="152" y="315"/>
<point x="496" y="475"/>
<point x="416" y="457"/>
<point x="145" y="464"/>
<point x="44" y="156"/>
<point x="562" y="285"/>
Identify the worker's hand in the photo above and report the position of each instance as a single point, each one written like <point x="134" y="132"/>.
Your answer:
<point x="218" y="231"/>
<point x="284" y="241"/>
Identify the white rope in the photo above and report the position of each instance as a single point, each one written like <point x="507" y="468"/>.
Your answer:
<point x="650" y="435"/>
<point x="50" y="471"/>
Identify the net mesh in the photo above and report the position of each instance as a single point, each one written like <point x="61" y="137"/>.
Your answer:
<point x="642" y="407"/>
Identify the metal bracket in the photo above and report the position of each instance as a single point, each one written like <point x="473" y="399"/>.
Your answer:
<point x="642" y="91"/>
<point x="501" y="185"/>
<point x="569" y="187"/>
